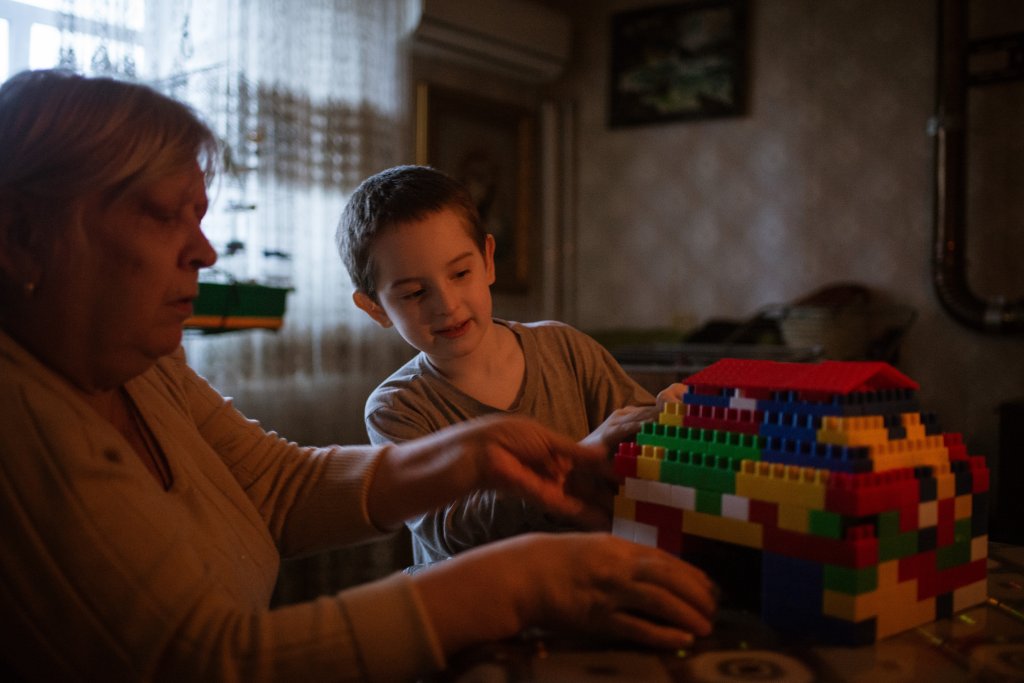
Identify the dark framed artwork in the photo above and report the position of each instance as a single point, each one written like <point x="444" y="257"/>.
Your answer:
<point x="683" y="61"/>
<point x="490" y="147"/>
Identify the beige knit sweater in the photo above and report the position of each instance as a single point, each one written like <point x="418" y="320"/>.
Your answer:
<point x="106" y="576"/>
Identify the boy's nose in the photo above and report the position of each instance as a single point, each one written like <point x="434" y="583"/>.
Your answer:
<point x="446" y="300"/>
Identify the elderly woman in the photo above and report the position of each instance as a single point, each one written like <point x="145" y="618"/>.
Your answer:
<point x="144" y="518"/>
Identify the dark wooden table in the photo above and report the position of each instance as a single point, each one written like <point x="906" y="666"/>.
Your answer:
<point x="983" y="643"/>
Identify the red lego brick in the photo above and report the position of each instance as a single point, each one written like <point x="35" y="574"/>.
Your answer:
<point x="624" y="464"/>
<point x="763" y="512"/>
<point x="979" y="474"/>
<point x="669" y="522"/>
<point x="933" y="583"/>
<point x="859" y="549"/>
<point x="869" y="493"/>
<point x="828" y="377"/>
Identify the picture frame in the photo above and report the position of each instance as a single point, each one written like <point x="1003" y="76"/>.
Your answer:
<point x="490" y="147"/>
<point x="677" y="62"/>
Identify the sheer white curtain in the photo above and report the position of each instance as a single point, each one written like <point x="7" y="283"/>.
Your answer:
<point x="309" y="98"/>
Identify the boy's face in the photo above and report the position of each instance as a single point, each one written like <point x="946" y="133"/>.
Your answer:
<point x="433" y="285"/>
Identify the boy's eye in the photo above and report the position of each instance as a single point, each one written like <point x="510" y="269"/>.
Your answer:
<point x="415" y="294"/>
<point x="462" y="273"/>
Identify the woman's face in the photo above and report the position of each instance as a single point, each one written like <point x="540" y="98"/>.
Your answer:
<point x="123" y="281"/>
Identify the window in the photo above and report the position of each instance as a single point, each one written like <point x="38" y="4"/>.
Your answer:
<point x="5" y="49"/>
<point x="98" y="38"/>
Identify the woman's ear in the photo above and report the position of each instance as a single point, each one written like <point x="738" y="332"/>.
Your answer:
<point x="372" y="308"/>
<point x="19" y="262"/>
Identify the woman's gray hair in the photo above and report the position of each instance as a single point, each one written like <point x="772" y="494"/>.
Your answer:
<point x="63" y="135"/>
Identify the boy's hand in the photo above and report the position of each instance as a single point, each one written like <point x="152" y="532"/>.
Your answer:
<point x="673" y="393"/>
<point x="620" y="426"/>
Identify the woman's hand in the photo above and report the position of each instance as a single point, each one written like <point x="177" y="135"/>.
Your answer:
<point x="580" y="582"/>
<point x="515" y="455"/>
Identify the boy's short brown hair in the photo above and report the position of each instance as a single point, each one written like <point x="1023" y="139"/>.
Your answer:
<point x="391" y="198"/>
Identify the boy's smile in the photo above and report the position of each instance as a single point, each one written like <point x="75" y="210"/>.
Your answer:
<point x="433" y="285"/>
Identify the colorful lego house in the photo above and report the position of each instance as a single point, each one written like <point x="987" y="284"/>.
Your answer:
<point x="864" y="517"/>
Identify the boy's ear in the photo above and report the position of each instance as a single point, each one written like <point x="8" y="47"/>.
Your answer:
<point x="489" y="259"/>
<point x="372" y="308"/>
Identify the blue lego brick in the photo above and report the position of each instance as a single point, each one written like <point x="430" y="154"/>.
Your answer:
<point x="979" y="514"/>
<point x="944" y="606"/>
<point x="930" y="422"/>
<point x="962" y="477"/>
<point x="790" y="426"/>
<point x="791" y="593"/>
<point x="832" y="457"/>
<point x="928" y="486"/>
<point x="927" y="539"/>
<point x="716" y="401"/>
<point x="833" y="631"/>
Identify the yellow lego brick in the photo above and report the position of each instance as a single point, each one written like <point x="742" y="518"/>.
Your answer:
<point x="648" y="464"/>
<point x="962" y="506"/>
<point x="794" y="518"/>
<point x="623" y="507"/>
<point x="672" y="414"/>
<point x="929" y="451"/>
<point x="860" y="430"/>
<point x="912" y="424"/>
<point x="970" y="595"/>
<point x="864" y="605"/>
<point x="945" y="481"/>
<point x="927" y="514"/>
<point x="736" y="531"/>
<point x="979" y="548"/>
<point x="894" y="604"/>
<point x="903" y="612"/>
<point x="778" y="483"/>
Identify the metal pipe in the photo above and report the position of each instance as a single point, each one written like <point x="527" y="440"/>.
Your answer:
<point x="949" y="126"/>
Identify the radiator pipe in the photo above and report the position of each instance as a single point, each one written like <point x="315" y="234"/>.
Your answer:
<point x="949" y="127"/>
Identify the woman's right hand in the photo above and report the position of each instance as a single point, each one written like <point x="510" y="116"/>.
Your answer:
<point x="589" y="583"/>
<point x="515" y="455"/>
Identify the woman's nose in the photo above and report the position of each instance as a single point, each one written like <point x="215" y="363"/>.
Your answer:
<point x="199" y="253"/>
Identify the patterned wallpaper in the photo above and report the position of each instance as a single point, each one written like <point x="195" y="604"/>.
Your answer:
<point x="827" y="178"/>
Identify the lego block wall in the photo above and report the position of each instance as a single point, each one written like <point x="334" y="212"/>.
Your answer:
<point x="867" y="518"/>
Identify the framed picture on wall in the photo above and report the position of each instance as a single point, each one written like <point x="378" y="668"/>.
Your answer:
<point x="677" y="62"/>
<point x="488" y="146"/>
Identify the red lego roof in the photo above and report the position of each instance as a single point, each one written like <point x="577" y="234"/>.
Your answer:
<point x="834" y="377"/>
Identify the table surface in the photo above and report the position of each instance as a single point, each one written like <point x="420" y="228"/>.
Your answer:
<point x="983" y="643"/>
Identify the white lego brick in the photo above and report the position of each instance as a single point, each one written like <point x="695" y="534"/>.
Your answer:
<point x="735" y="507"/>
<point x="684" y="498"/>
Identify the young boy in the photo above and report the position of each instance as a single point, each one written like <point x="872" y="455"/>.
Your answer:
<point x="420" y="260"/>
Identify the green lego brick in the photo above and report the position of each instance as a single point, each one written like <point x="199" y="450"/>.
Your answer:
<point x="695" y="440"/>
<point x="962" y="530"/>
<point x="953" y="555"/>
<point x="699" y="471"/>
<point x="851" y="581"/>
<point x="709" y="502"/>
<point x="656" y="434"/>
<point x="893" y="547"/>
<point x="825" y="523"/>
<point x="888" y="524"/>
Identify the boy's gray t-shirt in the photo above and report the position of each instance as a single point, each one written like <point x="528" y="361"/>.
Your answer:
<point x="571" y="384"/>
